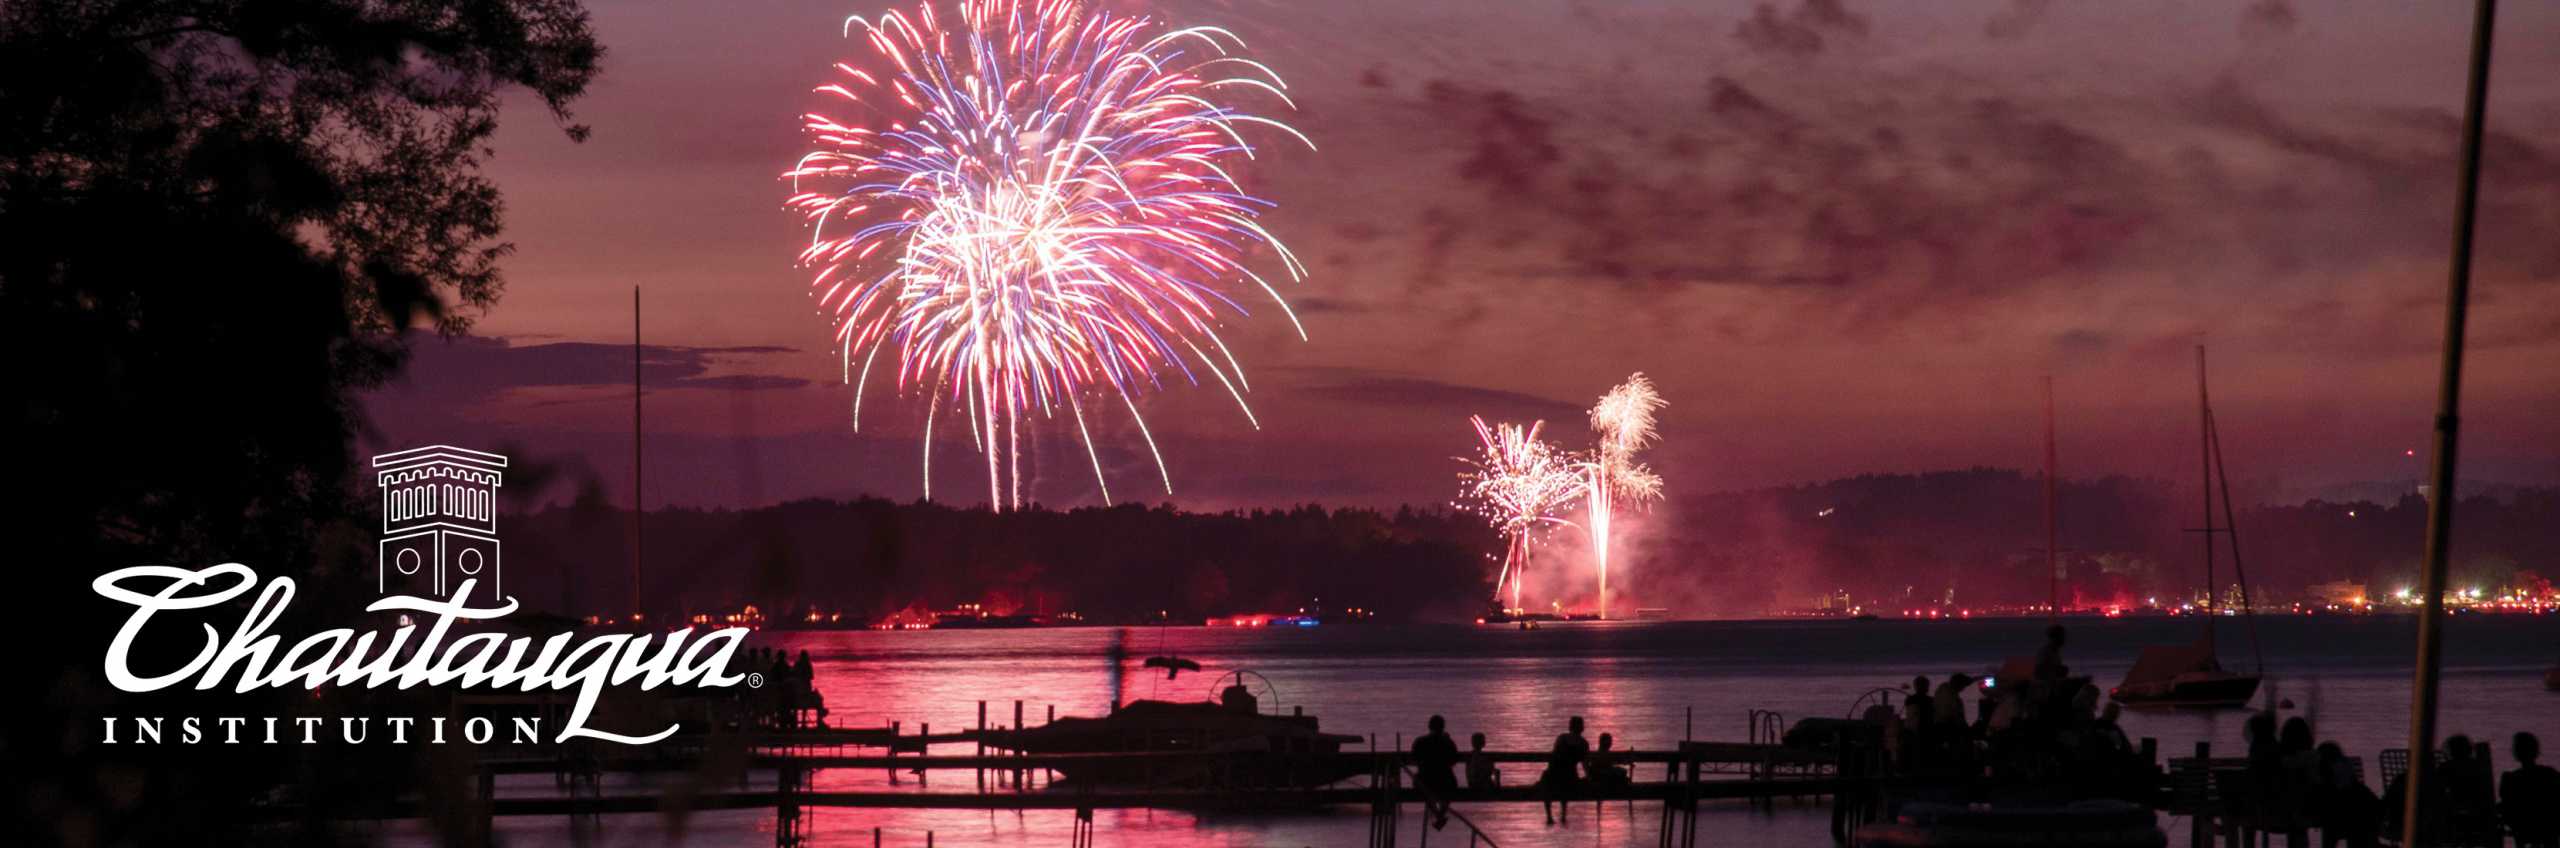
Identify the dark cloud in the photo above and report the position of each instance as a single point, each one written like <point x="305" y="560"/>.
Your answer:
<point x="1512" y="146"/>
<point x="1325" y="306"/>
<point x="2015" y="21"/>
<point x="1739" y="109"/>
<point x="472" y="369"/>
<point x="1801" y="32"/>
<point x="2398" y="159"/>
<point x="1928" y="197"/>
<point x="2267" y="19"/>
<point x="2082" y="343"/>
<point x="1363" y="386"/>
<point x="2228" y="105"/>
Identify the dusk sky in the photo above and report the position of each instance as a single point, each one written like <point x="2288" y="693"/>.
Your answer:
<point x="1844" y="237"/>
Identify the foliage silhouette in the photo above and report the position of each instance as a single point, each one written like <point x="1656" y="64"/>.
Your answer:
<point x="215" y="218"/>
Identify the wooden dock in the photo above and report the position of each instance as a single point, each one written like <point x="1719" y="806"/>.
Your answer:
<point x="1676" y="780"/>
<point x="792" y="746"/>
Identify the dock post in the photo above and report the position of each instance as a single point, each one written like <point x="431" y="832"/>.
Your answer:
<point x="982" y="746"/>
<point x="1385" y="810"/>
<point x="1018" y="774"/>
<point x="2199" y="827"/>
<point x="786" y="809"/>
<point x="487" y="818"/>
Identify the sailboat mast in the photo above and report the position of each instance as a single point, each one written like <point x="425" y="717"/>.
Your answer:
<point x="2052" y="533"/>
<point x="639" y="489"/>
<point x="2204" y="429"/>
<point x="2231" y="528"/>
<point x="2440" y="473"/>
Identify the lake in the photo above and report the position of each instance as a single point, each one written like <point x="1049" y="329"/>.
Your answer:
<point x="1642" y="681"/>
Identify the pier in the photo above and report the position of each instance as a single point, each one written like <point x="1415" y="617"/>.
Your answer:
<point x="1676" y="780"/>
<point x="771" y="763"/>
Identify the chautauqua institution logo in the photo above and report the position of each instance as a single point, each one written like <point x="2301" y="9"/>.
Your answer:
<point x="437" y="563"/>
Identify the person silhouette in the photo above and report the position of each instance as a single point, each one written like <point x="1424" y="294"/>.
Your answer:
<point x="2049" y="665"/>
<point x="1434" y="755"/>
<point x="1481" y="772"/>
<point x="1919" y="708"/>
<point x="1564" y="766"/>
<point x="2529" y="796"/>
<point x="1949" y="700"/>
<point x="1604" y="768"/>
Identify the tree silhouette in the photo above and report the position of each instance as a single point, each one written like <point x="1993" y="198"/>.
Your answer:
<point x="216" y="219"/>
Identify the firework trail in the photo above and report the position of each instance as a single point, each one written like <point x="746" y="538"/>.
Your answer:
<point x="1623" y="419"/>
<point x="1522" y="484"/>
<point x="1034" y="208"/>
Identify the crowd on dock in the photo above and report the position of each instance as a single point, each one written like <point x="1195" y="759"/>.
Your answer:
<point x="2046" y="735"/>
<point x="788" y="695"/>
<point x="1573" y="767"/>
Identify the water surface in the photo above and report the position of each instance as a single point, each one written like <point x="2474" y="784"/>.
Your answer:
<point x="1647" y="683"/>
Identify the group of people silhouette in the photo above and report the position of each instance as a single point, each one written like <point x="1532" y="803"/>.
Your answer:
<point x="2044" y="729"/>
<point x="2047" y="731"/>
<point x="1572" y="766"/>
<point x="789" y="688"/>
<point x="2461" y="805"/>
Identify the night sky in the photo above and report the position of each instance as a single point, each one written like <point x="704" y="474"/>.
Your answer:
<point x="1844" y="237"/>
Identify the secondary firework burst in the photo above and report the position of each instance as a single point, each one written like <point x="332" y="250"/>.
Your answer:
<point x="1523" y="485"/>
<point x="1623" y="420"/>
<point x="1028" y="207"/>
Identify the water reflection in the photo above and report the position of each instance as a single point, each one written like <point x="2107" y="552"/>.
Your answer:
<point x="1637" y="681"/>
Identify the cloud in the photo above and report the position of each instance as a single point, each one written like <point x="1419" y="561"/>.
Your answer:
<point x="1362" y="386"/>
<point x="2015" y="21"/>
<point x="2267" y="19"/>
<point x="1938" y="194"/>
<point x="1799" y="33"/>
<point x="1513" y="147"/>
<point x="473" y="369"/>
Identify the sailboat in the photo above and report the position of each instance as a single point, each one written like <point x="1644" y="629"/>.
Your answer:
<point x="2192" y="675"/>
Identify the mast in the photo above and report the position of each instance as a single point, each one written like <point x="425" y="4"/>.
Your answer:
<point x="2204" y="429"/>
<point x="2052" y="532"/>
<point x="2422" y="707"/>
<point x="639" y="491"/>
<point x="2231" y="529"/>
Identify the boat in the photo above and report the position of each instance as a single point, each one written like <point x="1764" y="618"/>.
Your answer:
<point x="2184" y="676"/>
<point x="1253" y="748"/>
<point x="1497" y="614"/>
<point x="2191" y="676"/>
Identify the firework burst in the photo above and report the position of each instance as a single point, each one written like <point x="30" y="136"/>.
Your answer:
<point x="1523" y="485"/>
<point x="1032" y="208"/>
<point x="1623" y="419"/>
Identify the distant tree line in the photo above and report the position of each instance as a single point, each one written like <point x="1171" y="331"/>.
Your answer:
<point x="874" y="557"/>
<point x="1968" y="538"/>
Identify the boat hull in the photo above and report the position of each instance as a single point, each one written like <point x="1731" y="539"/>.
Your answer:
<point x="2200" y="690"/>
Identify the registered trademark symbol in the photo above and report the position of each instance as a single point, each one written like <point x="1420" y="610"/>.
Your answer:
<point x="755" y="680"/>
